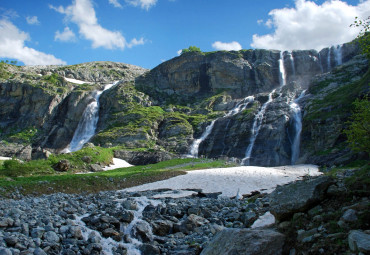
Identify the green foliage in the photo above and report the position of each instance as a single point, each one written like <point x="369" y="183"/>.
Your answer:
<point x="358" y="132"/>
<point x="15" y="168"/>
<point x="54" y="78"/>
<point x="25" y="136"/>
<point x="191" y="49"/>
<point x="364" y="36"/>
<point x="4" y="74"/>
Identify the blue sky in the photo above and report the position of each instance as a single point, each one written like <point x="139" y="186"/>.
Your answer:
<point x="148" y="32"/>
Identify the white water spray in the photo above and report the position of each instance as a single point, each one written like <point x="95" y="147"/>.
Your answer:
<point x="292" y="62"/>
<point x="257" y="123"/>
<point x="329" y="59"/>
<point x="87" y="125"/>
<point x="338" y="54"/>
<point x="240" y="106"/>
<point x="297" y="122"/>
<point x="282" y="70"/>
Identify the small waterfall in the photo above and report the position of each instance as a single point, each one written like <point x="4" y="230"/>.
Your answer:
<point x="338" y="54"/>
<point x="292" y="62"/>
<point x="257" y="123"/>
<point x="320" y="63"/>
<point x="194" y="148"/>
<point x="87" y="124"/>
<point x="329" y="59"/>
<point x="297" y="122"/>
<point x="240" y="106"/>
<point x="282" y="77"/>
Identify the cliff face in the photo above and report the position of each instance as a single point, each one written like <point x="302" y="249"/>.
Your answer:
<point x="248" y="94"/>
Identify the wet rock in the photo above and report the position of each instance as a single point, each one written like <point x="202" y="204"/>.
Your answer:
<point x="359" y="241"/>
<point x="162" y="227"/>
<point x="149" y="249"/>
<point x="143" y="231"/>
<point x="298" y="196"/>
<point x="245" y="241"/>
<point x="350" y="216"/>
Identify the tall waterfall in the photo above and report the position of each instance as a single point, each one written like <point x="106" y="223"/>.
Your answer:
<point x="87" y="124"/>
<point x="329" y="59"/>
<point x="292" y="62"/>
<point x="240" y="106"/>
<point x="282" y="70"/>
<point x="257" y="123"/>
<point x="338" y="54"/>
<point x="297" y="122"/>
<point x="194" y="149"/>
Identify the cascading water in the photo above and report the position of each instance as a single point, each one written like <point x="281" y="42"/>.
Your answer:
<point x="329" y="59"/>
<point x="257" y="123"/>
<point x="338" y="54"/>
<point x="320" y="62"/>
<point x="87" y="124"/>
<point x="292" y="62"/>
<point x="282" y="70"/>
<point x="296" y="117"/>
<point x="194" y="148"/>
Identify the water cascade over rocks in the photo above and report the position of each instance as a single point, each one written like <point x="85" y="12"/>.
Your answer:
<point x="240" y="106"/>
<point x="257" y="123"/>
<point x="87" y="124"/>
<point x="338" y="54"/>
<point x="296" y="119"/>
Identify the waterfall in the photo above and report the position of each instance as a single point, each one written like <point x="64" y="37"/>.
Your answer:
<point x="240" y="106"/>
<point x="282" y="77"/>
<point x="329" y="60"/>
<point x="297" y="121"/>
<point x="87" y="124"/>
<point x="320" y="63"/>
<point x="257" y="123"/>
<point x="292" y="62"/>
<point x="338" y="54"/>
<point x="194" y="148"/>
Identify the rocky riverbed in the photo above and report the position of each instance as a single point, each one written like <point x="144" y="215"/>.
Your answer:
<point x="314" y="216"/>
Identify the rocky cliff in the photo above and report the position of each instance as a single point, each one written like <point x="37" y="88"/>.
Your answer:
<point x="247" y="94"/>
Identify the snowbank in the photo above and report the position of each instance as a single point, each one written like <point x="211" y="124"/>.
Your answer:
<point x="230" y="180"/>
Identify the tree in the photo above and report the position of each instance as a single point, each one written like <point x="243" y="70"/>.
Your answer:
<point x="364" y="36"/>
<point x="191" y="49"/>
<point x="358" y="132"/>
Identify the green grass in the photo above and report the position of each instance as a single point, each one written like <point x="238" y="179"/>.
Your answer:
<point x="24" y="136"/>
<point x="109" y="180"/>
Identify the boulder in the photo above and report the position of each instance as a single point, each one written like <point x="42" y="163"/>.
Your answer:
<point x="246" y="241"/>
<point x="62" y="166"/>
<point x="359" y="241"/>
<point x="298" y="196"/>
<point x="143" y="158"/>
<point x="95" y="168"/>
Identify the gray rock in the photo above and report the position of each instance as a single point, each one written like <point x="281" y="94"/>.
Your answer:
<point x="162" y="227"/>
<point x="245" y="241"/>
<point x="11" y="240"/>
<point x="350" y="216"/>
<point x="95" y="168"/>
<point x="298" y="196"/>
<point x="37" y="232"/>
<point x="51" y="237"/>
<point x="4" y="251"/>
<point x="359" y="241"/>
<point x="6" y="222"/>
<point x="62" y="166"/>
<point x="143" y="231"/>
<point x="39" y="251"/>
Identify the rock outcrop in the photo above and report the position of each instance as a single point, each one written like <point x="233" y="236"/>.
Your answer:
<point x="246" y="241"/>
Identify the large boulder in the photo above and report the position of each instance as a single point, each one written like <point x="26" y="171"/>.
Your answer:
<point x="246" y="241"/>
<point x="298" y="196"/>
<point x="143" y="157"/>
<point x="359" y="241"/>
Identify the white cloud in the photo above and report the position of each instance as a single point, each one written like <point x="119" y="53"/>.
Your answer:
<point x="115" y="3"/>
<point x="32" y="20"/>
<point x="12" y="46"/>
<point x="179" y="52"/>
<point x="66" y="36"/>
<point x="135" y="42"/>
<point x="144" y="4"/>
<point x="312" y="26"/>
<point x="226" y="46"/>
<point x="82" y="13"/>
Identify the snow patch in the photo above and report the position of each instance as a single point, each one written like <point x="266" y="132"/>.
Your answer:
<point x="77" y="81"/>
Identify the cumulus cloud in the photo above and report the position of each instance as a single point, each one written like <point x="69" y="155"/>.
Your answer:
<point x="179" y="52"/>
<point x="66" y="36"/>
<point x="82" y="13"/>
<point x="144" y="4"/>
<point x="312" y="26"/>
<point x="135" y="42"/>
<point x="12" y="46"/>
<point x="115" y="3"/>
<point x="226" y="46"/>
<point x="32" y="20"/>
